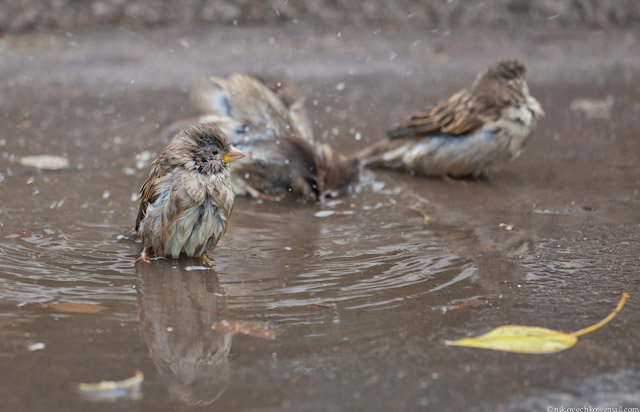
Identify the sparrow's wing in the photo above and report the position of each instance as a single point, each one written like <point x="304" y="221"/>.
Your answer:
<point x="245" y="102"/>
<point x="459" y="114"/>
<point x="300" y="118"/>
<point x="148" y="192"/>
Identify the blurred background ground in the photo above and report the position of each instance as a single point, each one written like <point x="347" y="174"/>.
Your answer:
<point x="28" y="15"/>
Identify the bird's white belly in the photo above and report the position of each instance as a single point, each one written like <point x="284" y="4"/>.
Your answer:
<point x="197" y="224"/>
<point x="495" y="142"/>
<point x="192" y="231"/>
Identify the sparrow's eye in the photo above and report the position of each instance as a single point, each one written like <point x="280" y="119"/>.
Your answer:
<point x="214" y="151"/>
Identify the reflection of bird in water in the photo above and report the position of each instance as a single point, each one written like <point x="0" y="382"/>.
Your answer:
<point x="281" y="154"/>
<point x="466" y="133"/>
<point x="177" y="311"/>
<point x="186" y="201"/>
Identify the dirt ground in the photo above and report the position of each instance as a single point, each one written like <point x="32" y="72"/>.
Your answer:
<point x="361" y="293"/>
<point x="25" y="16"/>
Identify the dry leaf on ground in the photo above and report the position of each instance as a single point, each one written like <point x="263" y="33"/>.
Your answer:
<point x="529" y="339"/>
<point x="68" y="307"/>
<point x="48" y="162"/>
<point x="22" y="233"/>
<point x="112" y="389"/>
<point x="255" y="329"/>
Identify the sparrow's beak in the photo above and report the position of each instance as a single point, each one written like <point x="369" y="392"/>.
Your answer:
<point x="233" y="154"/>
<point x="534" y="106"/>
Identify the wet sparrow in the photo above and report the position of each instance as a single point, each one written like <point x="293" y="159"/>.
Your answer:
<point x="186" y="201"/>
<point x="281" y="154"/>
<point x="466" y="133"/>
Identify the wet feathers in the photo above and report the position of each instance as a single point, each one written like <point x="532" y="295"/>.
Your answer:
<point x="187" y="199"/>
<point x="467" y="132"/>
<point x="282" y="157"/>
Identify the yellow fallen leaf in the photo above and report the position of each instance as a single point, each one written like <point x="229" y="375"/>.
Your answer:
<point x="68" y="307"/>
<point x="530" y="339"/>
<point x="522" y="339"/>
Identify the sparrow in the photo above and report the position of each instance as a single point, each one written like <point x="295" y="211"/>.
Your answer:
<point x="186" y="201"/>
<point x="466" y="133"/>
<point x="282" y="157"/>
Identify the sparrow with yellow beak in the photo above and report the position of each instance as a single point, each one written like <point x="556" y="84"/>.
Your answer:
<point x="186" y="201"/>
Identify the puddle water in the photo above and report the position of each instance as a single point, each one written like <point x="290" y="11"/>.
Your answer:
<point x="360" y="291"/>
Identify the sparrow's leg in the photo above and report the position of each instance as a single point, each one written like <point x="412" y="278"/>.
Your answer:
<point x="255" y="193"/>
<point x="453" y="180"/>
<point x="204" y="259"/>
<point x="271" y="198"/>
<point x="144" y="256"/>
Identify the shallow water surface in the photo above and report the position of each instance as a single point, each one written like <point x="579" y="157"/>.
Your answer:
<point x="360" y="291"/>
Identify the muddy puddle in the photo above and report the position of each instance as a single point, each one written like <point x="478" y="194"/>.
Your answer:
<point x="351" y="300"/>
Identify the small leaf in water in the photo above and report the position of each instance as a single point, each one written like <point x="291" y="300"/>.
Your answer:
<point x="255" y="329"/>
<point x="473" y="302"/>
<point x="68" y="307"/>
<point x="49" y="162"/>
<point x="529" y="339"/>
<point x="506" y="226"/>
<point x="35" y="346"/>
<point x="112" y="389"/>
<point x="22" y="233"/>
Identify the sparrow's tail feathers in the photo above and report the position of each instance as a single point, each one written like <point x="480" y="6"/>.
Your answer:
<point x="339" y="170"/>
<point x="402" y="131"/>
<point x="371" y="153"/>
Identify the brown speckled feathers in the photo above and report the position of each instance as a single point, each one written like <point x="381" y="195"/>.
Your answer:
<point x="282" y="156"/>
<point x="186" y="202"/>
<point x="500" y="85"/>
<point x="186" y="149"/>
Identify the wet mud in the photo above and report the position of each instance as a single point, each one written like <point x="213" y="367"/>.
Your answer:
<point x="362" y="290"/>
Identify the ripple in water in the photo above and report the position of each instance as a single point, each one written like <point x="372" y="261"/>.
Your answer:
<point x="341" y="277"/>
<point x="362" y="271"/>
